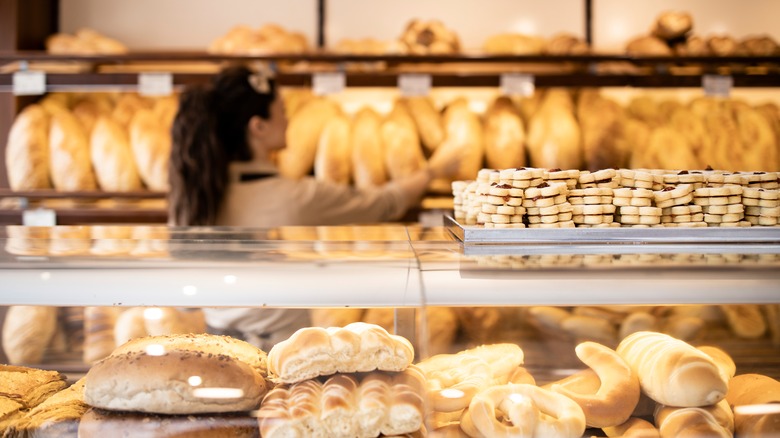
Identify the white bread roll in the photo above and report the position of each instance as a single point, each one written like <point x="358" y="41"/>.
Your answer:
<point x="753" y="392"/>
<point x="71" y="167"/>
<point x="27" y="150"/>
<point x="357" y="347"/>
<point x="303" y="134"/>
<point x="671" y="371"/>
<point x="504" y="136"/>
<point x="150" y="141"/>
<point x="112" y="157"/>
<point x="427" y="119"/>
<point x="332" y="161"/>
<point x="403" y="154"/>
<point x="368" y="161"/>
<point x="618" y="387"/>
<point x="709" y="421"/>
<point x="27" y="331"/>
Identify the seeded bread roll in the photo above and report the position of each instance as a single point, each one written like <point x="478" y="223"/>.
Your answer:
<point x="357" y="347"/>
<point x="179" y="374"/>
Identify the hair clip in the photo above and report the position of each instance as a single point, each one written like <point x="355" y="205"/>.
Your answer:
<point x="260" y="80"/>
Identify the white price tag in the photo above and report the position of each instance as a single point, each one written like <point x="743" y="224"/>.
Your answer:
<point x="328" y="83"/>
<point x="717" y="85"/>
<point x="415" y="84"/>
<point x="29" y="83"/>
<point x="155" y="84"/>
<point x="40" y="217"/>
<point x="517" y="84"/>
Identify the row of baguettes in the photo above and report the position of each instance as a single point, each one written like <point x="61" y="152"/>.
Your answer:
<point x="201" y="384"/>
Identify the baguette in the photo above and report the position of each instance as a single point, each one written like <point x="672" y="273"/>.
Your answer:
<point x="332" y="161"/>
<point x="27" y="150"/>
<point x="368" y="162"/>
<point x="150" y="141"/>
<point x="303" y="134"/>
<point x="71" y="167"/>
<point x="672" y="372"/>
<point x="428" y="121"/>
<point x="504" y="136"/>
<point x="403" y="154"/>
<point x="112" y="157"/>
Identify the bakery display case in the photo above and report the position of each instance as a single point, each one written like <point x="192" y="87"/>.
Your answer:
<point x="76" y="295"/>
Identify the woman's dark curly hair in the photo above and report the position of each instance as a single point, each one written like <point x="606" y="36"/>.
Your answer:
<point x="209" y="132"/>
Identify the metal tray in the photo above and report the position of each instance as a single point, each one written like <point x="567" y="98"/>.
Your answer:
<point x="469" y="234"/>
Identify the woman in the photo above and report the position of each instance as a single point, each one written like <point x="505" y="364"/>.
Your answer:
<point x="221" y="174"/>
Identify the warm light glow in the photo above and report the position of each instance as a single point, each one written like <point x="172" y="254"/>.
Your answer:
<point x="194" y="380"/>
<point x="153" y="313"/>
<point x="230" y="279"/>
<point x="451" y="393"/>
<point x="517" y="398"/>
<point x="762" y="409"/>
<point x="45" y="276"/>
<point x="189" y="290"/>
<point x="155" y="350"/>
<point x="218" y="392"/>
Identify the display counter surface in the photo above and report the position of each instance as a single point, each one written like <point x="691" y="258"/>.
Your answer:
<point x="368" y="266"/>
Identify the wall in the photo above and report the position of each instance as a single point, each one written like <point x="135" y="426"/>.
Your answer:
<point x="192" y="24"/>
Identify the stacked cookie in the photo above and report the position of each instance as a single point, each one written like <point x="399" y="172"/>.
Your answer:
<point x="635" y="207"/>
<point x="592" y="207"/>
<point x="502" y="207"/>
<point x="570" y="177"/>
<point x="694" y="178"/>
<point x="762" y="206"/>
<point x="722" y="206"/>
<point x="639" y="179"/>
<point x="459" y="206"/>
<point x="547" y="206"/>
<point x="605" y="178"/>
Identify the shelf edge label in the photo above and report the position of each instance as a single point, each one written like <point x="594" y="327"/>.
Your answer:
<point x="328" y="83"/>
<point x="39" y="217"/>
<point x="517" y="84"/>
<point x="414" y="84"/>
<point x="155" y="84"/>
<point x="717" y="85"/>
<point x="29" y="83"/>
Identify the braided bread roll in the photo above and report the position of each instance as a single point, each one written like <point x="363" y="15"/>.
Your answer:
<point x="357" y="347"/>
<point x="671" y="371"/>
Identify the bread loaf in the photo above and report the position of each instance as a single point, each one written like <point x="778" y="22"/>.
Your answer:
<point x="90" y="108"/>
<point x="648" y="46"/>
<point x="403" y="154"/>
<point x="112" y="157"/>
<point x="151" y="145"/>
<point x="722" y="45"/>
<point x="554" y="138"/>
<point x="566" y="44"/>
<point x="463" y="132"/>
<point x="752" y="398"/>
<point x="618" y="387"/>
<point x="303" y="134"/>
<point x="602" y="131"/>
<point x="27" y="150"/>
<point x="672" y="24"/>
<point x="99" y="332"/>
<point x="429" y="37"/>
<point x="357" y="347"/>
<point x="504" y="136"/>
<point x="368" y="161"/>
<point x="671" y="371"/>
<point x="332" y="161"/>
<point x="346" y="405"/>
<point x="513" y="44"/>
<point x="27" y="331"/>
<point x="71" y="167"/>
<point x="427" y="119"/>
<point x="126" y="106"/>
<point x="760" y="151"/>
